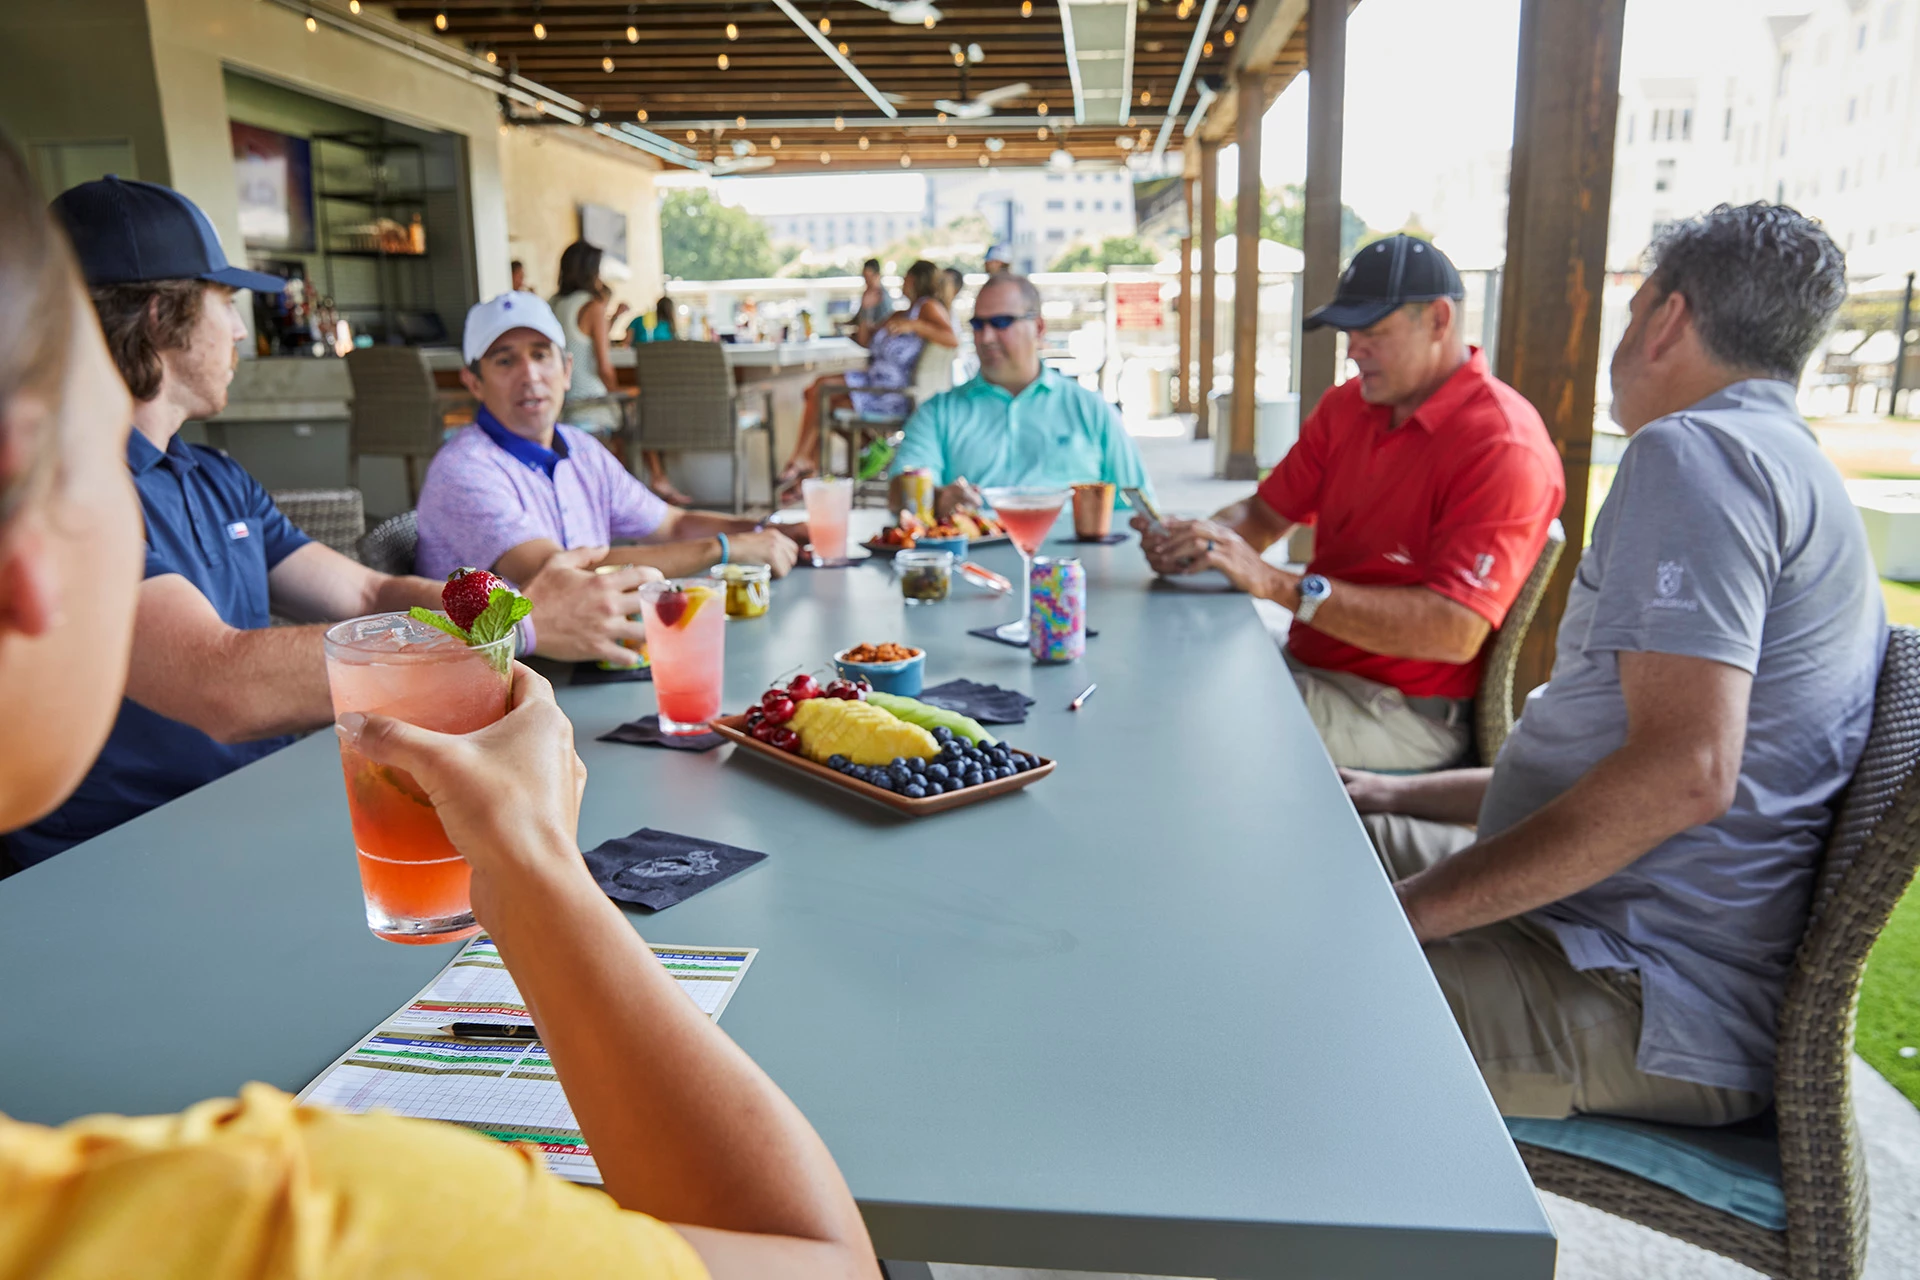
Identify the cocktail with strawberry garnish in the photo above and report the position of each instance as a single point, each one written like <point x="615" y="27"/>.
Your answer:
<point x="687" y="643"/>
<point x="448" y="672"/>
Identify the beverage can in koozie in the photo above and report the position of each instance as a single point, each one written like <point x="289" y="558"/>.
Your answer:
<point x="912" y="490"/>
<point x="1057" y="631"/>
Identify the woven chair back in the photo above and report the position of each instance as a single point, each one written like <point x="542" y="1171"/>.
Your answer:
<point x="391" y="545"/>
<point x="396" y="409"/>
<point x="1870" y="860"/>
<point x="933" y="373"/>
<point x="331" y="517"/>
<point x="1493" y="707"/>
<point x="686" y="396"/>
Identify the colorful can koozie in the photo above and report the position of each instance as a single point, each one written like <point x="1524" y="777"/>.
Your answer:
<point x="912" y="490"/>
<point x="1057" y="631"/>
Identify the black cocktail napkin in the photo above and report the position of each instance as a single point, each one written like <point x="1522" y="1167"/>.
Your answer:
<point x="991" y="633"/>
<point x="655" y="869"/>
<point x="1107" y="540"/>
<point x="590" y="673"/>
<point x="645" y="732"/>
<point x="987" y="703"/>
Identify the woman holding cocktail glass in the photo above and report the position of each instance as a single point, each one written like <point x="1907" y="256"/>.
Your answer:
<point x="684" y="1127"/>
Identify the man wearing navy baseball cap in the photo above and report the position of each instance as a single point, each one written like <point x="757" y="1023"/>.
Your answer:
<point x="213" y="684"/>
<point x="1430" y="486"/>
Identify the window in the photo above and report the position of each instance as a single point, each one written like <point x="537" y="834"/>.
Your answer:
<point x="1098" y="205"/>
<point x="1890" y="21"/>
<point x="1056" y="206"/>
<point x="1783" y="139"/>
<point x="1686" y="125"/>
<point x="1780" y="192"/>
<point x="1055" y="234"/>
<point x="1056" y="177"/>
<point x="1663" y="175"/>
<point x="1079" y="206"/>
<point x="1842" y="183"/>
<point x="1860" y="36"/>
<point x="1726" y="127"/>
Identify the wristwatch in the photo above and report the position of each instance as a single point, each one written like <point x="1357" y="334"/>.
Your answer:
<point x="1314" y="591"/>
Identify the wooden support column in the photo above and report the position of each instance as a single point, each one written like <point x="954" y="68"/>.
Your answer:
<point x="1246" y="276"/>
<point x="1209" y="278"/>
<point x="1183" y="383"/>
<point x="1326" y="134"/>
<point x="1565" y="104"/>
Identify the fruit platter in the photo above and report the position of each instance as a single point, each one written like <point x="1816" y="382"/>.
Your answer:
<point x="909" y="755"/>
<point x="910" y="531"/>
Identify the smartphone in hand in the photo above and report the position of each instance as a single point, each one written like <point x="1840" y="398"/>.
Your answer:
<point x="1140" y="502"/>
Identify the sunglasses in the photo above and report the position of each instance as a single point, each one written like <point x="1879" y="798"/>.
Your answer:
<point x="1000" y="323"/>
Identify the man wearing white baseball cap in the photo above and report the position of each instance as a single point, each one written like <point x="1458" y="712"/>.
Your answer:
<point x="213" y="684"/>
<point x="519" y="488"/>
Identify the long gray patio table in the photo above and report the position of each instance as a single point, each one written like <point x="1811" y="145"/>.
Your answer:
<point x="1157" y="1013"/>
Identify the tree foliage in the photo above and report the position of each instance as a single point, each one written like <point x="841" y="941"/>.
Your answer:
<point x="1114" y="251"/>
<point x="962" y="243"/>
<point x="703" y="239"/>
<point x="1283" y="217"/>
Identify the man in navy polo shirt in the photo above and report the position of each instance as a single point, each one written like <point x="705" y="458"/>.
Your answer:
<point x="213" y="685"/>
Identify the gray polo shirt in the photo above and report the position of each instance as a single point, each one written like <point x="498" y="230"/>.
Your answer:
<point x="1729" y="536"/>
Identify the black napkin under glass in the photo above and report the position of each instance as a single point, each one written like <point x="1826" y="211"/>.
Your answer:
<point x="987" y="703"/>
<point x="645" y="732"/>
<point x="655" y="869"/>
<point x="1104" y="540"/>
<point x="591" y="673"/>
<point x="993" y="633"/>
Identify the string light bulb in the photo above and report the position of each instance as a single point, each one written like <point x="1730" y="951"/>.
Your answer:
<point x="952" y="142"/>
<point x="842" y="46"/>
<point x="825" y="158"/>
<point x="733" y="32"/>
<point x="1228" y="37"/>
<point x="439" y="22"/>
<point x="1042" y="108"/>
<point x="942" y="117"/>
<point x="863" y="142"/>
<point x="692" y="136"/>
<point x="353" y="6"/>
<point x="492" y="57"/>
<point x="839" y="124"/>
<point x="1240" y="14"/>
<point x="539" y="31"/>
<point x="774" y="142"/>
<point x="984" y="162"/>
<point x="1026" y="8"/>
<point x="1144" y="138"/>
<point x="641" y="115"/>
<point x="826" y="26"/>
<point x="1041" y="133"/>
<point x="1206" y="50"/>
<point x="927" y="22"/>
<point x="722" y="62"/>
<point x="739" y="122"/>
<point x="312" y="25"/>
<point x="906" y="161"/>
<point x="1131" y="122"/>
<point x="633" y="35"/>
<point x="606" y="65"/>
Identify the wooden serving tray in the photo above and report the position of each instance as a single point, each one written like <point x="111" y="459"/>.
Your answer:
<point x="734" y="729"/>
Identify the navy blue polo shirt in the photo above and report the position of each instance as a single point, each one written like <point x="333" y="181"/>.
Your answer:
<point x="211" y="523"/>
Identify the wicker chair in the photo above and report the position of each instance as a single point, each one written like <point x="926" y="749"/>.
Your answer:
<point x="688" y="400"/>
<point x="332" y="517"/>
<point x="1493" y="709"/>
<point x="397" y="410"/>
<point x="391" y="545"/>
<point x="1815" y="1151"/>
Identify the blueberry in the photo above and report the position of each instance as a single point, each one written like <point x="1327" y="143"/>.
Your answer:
<point x="938" y="771"/>
<point x="898" y="762"/>
<point x="836" y="762"/>
<point x="935" y="788"/>
<point x="917" y="765"/>
<point x="914" y="791"/>
<point x="899" y="773"/>
<point x="883" y="782"/>
<point x="975" y="778"/>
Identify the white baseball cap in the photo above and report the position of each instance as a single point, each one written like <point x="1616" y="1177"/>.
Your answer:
<point x="1001" y="252"/>
<point x="486" y="321"/>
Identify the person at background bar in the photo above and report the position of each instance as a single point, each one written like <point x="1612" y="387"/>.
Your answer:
<point x="1018" y="422"/>
<point x="1430" y="485"/>
<point x="215" y="685"/>
<point x="875" y="304"/>
<point x="1617" y="933"/>
<point x="658" y="327"/>
<point x="594" y="401"/>
<point x="685" y="1128"/>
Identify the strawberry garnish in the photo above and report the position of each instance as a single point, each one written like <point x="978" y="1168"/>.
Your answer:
<point x="670" y="607"/>
<point x="466" y="594"/>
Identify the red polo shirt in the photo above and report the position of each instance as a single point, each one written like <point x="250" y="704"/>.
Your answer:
<point x="1457" y="499"/>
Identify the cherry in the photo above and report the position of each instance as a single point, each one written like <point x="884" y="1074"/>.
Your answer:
<point x="785" y="739"/>
<point x="772" y="696"/>
<point x="778" y="710"/>
<point x="802" y="687"/>
<point x="846" y="691"/>
<point x="764" y="732"/>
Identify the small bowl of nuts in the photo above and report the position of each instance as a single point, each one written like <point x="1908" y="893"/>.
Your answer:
<point x="890" y="668"/>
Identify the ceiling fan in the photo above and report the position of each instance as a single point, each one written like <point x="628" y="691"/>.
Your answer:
<point x="975" y="108"/>
<point x="743" y="159"/>
<point x="913" y="13"/>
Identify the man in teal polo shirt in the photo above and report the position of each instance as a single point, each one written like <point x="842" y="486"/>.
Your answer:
<point x="1018" y="422"/>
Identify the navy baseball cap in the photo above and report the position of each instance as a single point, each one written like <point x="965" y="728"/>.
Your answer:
<point x="127" y="232"/>
<point x="1383" y="277"/>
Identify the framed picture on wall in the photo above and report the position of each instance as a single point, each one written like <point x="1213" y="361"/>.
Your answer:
<point x="606" y="230"/>
<point x="274" y="175"/>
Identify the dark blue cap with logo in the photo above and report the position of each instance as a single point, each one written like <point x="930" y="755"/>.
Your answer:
<point x="127" y="232"/>
<point x="1383" y="277"/>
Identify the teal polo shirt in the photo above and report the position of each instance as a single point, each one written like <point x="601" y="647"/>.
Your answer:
<point x="1054" y="432"/>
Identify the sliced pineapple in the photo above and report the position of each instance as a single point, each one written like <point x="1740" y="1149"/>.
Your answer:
<point x="860" y="731"/>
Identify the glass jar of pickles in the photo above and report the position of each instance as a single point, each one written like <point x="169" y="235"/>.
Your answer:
<point x="749" y="588"/>
<point x="925" y="576"/>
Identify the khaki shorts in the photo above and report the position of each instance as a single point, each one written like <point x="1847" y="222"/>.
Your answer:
<point x="1551" y="1040"/>
<point x="1367" y="725"/>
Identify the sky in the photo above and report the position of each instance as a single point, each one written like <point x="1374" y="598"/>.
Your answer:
<point x="1429" y="88"/>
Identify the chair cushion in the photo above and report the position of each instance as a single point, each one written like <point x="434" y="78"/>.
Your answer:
<point x="1735" y="1169"/>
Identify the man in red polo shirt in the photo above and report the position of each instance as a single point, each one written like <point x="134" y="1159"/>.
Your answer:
<point x="1430" y="485"/>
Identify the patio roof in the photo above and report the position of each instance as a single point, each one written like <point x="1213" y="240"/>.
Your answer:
<point x="786" y="96"/>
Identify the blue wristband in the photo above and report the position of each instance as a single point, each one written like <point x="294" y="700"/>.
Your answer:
<point x="726" y="553"/>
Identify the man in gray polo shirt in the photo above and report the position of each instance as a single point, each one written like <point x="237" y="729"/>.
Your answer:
<point x="1616" y="936"/>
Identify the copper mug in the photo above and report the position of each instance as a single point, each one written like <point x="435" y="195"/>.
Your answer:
<point x="1092" y="511"/>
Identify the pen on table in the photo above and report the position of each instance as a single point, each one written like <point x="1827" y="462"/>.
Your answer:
<point x="491" y="1031"/>
<point x="1080" y="701"/>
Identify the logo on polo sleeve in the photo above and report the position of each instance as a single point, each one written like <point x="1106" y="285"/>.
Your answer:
<point x="238" y="530"/>
<point x="1668" y="578"/>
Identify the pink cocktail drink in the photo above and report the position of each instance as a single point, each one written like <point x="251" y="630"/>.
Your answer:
<point x="414" y="880"/>
<point x="1028" y="513"/>
<point x="687" y="643"/>
<point x="829" y="506"/>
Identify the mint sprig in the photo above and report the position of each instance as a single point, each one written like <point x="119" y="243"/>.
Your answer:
<point x="504" y="611"/>
<point x="439" y="620"/>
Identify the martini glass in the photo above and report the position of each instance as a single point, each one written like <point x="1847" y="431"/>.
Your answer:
<point x="1028" y="512"/>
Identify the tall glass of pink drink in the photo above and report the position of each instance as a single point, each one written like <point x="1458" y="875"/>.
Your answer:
<point x="1028" y="512"/>
<point x="415" y="881"/>
<point x="687" y="642"/>
<point x="829" y="506"/>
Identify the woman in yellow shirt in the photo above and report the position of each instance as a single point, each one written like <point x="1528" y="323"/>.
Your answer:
<point x="686" y="1130"/>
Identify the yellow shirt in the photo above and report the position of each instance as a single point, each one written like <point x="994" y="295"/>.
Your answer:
<point x="261" y="1189"/>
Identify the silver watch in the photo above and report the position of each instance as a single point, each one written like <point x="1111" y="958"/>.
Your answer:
<point x="1314" y="591"/>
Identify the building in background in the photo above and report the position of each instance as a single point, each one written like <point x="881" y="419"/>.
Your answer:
<point x="1040" y="212"/>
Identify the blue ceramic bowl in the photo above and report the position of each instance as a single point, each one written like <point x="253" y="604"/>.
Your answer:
<point x="956" y="544"/>
<point x="901" y="678"/>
